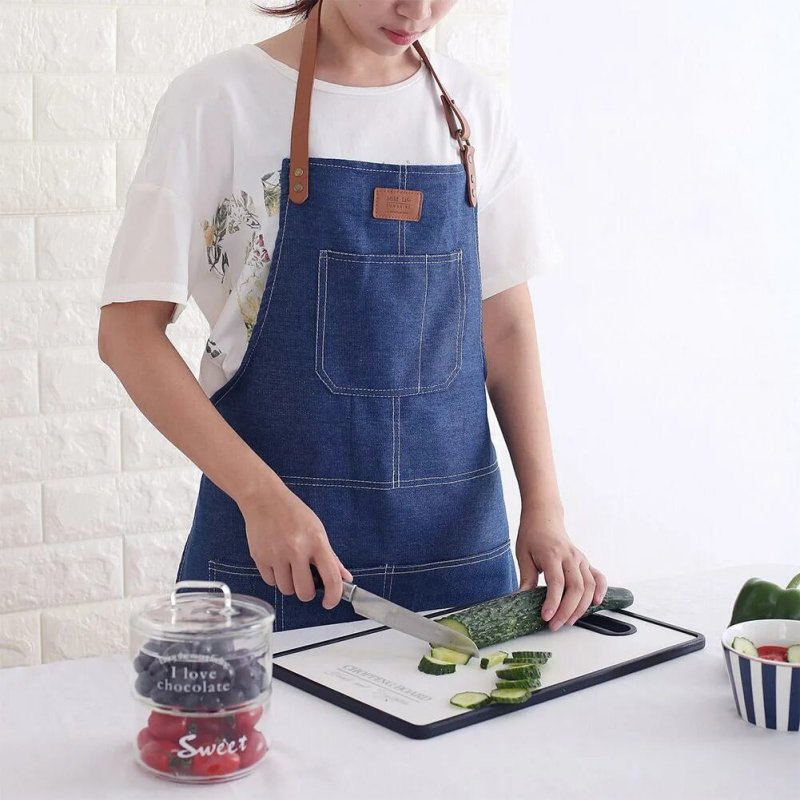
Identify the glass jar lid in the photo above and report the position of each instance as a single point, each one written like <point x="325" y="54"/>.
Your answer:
<point x="204" y="614"/>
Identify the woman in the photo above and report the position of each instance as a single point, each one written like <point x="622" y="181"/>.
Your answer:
<point x="340" y="419"/>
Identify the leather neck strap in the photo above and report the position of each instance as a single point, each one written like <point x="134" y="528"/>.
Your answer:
<point x="298" y="161"/>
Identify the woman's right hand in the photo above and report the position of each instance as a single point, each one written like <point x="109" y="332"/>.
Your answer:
<point x="285" y="536"/>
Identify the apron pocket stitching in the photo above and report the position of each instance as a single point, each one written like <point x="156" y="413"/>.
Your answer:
<point x="477" y="558"/>
<point x="407" y="483"/>
<point x="364" y="258"/>
<point x="477" y="473"/>
<point x="245" y="571"/>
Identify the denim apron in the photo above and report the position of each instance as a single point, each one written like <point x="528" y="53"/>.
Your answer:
<point x="363" y="388"/>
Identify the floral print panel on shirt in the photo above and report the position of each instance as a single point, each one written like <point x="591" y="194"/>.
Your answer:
<point x="235" y="237"/>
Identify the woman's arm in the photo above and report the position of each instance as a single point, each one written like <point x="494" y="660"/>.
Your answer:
<point x="284" y="534"/>
<point x="514" y="384"/>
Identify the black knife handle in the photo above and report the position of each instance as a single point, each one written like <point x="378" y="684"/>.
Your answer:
<point x="319" y="584"/>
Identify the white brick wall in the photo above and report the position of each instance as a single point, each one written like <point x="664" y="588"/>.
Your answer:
<point x="95" y="504"/>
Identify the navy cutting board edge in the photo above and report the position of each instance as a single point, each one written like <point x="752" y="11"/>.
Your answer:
<point x="374" y="673"/>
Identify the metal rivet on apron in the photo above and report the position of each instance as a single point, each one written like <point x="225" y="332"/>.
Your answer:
<point x="298" y="171"/>
<point x="298" y="187"/>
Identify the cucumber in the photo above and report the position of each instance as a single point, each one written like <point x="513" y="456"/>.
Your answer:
<point x="524" y="683"/>
<point x="510" y="695"/>
<point x="793" y="654"/>
<point x="454" y="624"/>
<point x="533" y="661"/>
<point x="452" y="656"/>
<point x="537" y="656"/>
<point x="518" y="614"/>
<point x="493" y="659"/>
<point x="435" y="666"/>
<point x="531" y="670"/>
<point x="518" y="671"/>
<point x="470" y="699"/>
<point x="744" y="646"/>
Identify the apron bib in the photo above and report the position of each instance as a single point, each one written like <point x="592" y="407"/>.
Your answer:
<point x="363" y="383"/>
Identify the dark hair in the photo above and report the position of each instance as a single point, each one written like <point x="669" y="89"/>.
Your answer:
<point x="299" y="8"/>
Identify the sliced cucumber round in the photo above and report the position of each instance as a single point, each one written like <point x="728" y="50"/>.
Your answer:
<point x="470" y="699"/>
<point x="513" y="673"/>
<point x="452" y="656"/>
<point x="530" y="683"/>
<point x="453" y="624"/>
<point x="744" y="646"/>
<point x="533" y="654"/>
<point x="793" y="654"/>
<point x="435" y="666"/>
<point x="510" y="695"/>
<point x="493" y="659"/>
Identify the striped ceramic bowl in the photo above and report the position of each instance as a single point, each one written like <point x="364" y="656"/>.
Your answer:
<point x="766" y="693"/>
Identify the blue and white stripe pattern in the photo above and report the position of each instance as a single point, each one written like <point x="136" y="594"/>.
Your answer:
<point x="766" y="694"/>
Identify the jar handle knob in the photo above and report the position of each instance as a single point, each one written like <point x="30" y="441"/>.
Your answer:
<point x="201" y="585"/>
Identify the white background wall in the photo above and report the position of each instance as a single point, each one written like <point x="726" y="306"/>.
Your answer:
<point x="667" y="139"/>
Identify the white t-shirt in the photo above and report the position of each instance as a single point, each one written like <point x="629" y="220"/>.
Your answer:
<point x="201" y="214"/>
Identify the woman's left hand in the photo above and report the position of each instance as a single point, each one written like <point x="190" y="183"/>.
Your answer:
<point x="572" y="583"/>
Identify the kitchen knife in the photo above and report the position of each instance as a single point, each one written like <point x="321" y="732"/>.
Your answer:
<point x="381" y="610"/>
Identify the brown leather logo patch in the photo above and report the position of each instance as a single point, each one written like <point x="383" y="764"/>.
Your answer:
<point x="405" y="204"/>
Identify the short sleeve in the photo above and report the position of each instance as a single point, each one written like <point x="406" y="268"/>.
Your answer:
<point x="159" y="246"/>
<point x="515" y="233"/>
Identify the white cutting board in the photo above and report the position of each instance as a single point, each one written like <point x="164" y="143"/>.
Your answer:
<point x="379" y="669"/>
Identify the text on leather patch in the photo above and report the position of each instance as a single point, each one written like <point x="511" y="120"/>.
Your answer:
<point x="404" y="204"/>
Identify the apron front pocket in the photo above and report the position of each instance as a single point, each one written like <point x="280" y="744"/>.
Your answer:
<point x="389" y="324"/>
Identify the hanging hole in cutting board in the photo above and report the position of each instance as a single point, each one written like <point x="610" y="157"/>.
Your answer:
<point x="608" y="626"/>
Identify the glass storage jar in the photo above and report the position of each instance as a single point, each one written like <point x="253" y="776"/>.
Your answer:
<point x="203" y="679"/>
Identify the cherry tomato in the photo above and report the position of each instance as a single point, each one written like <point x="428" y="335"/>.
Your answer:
<point x="210" y="726"/>
<point x="773" y="652"/>
<point x="144" y="737"/>
<point x="215" y="763"/>
<point x="163" y="756"/>
<point x="256" y="749"/>
<point x="247" y="720"/>
<point x="167" y="726"/>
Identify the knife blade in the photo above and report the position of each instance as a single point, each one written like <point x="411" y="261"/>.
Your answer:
<point x="386" y="612"/>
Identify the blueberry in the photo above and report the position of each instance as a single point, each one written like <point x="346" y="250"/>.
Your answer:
<point x="144" y="684"/>
<point x="223" y="647"/>
<point x="142" y="662"/>
<point x="190" y="701"/>
<point x="248" y="672"/>
<point x="156" y="647"/>
<point x="176" y="648"/>
<point x="250" y="690"/>
<point x="211" y="702"/>
<point x="233" y="697"/>
<point x="158" y="670"/>
<point x="162" y="697"/>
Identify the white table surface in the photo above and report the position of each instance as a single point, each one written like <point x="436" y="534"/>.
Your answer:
<point x="66" y="730"/>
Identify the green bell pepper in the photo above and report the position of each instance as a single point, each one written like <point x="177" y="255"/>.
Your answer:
<point x="760" y="599"/>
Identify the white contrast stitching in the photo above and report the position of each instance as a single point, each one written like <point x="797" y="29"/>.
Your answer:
<point x="409" y="483"/>
<point x="391" y="581"/>
<point x="398" y="442"/>
<point x="505" y="549"/>
<point x="400" y="258"/>
<point x="393" y="442"/>
<point x="456" y="169"/>
<point x="427" y="477"/>
<point x="400" y="569"/>
<point x="384" y="392"/>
